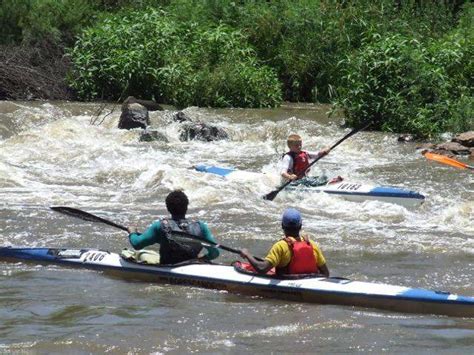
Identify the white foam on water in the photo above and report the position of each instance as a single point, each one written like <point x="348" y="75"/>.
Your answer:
<point x="60" y="158"/>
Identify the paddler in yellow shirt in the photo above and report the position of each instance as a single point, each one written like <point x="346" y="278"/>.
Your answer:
<point x="294" y="254"/>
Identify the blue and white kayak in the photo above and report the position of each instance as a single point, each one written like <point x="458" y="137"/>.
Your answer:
<point x="347" y="190"/>
<point x="314" y="289"/>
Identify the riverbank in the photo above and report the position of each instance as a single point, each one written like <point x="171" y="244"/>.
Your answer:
<point x="34" y="72"/>
<point x="406" y="67"/>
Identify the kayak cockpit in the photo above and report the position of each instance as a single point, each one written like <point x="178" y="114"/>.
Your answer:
<point x="246" y="268"/>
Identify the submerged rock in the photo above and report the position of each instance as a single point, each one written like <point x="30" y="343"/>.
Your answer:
<point x="203" y="132"/>
<point x="152" y="135"/>
<point x="406" y="138"/>
<point x="181" y="117"/>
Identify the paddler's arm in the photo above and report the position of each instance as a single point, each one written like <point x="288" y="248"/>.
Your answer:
<point x="261" y="266"/>
<point x="141" y="240"/>
<point x="285" y="166"/>
<point x="323" y="270"/>
<point x="320" y="154"/>
<point x="322" y="266"/>
<point x="212" y="252"/>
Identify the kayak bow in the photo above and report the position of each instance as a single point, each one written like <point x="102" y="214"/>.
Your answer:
<point x="337" y="291"/>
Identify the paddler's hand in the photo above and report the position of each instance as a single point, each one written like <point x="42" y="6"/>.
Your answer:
<point x="291" y="177"/>
<point x="324" y="152"/>
<point x="244" y="253"/>
<point x="132" y="230"/>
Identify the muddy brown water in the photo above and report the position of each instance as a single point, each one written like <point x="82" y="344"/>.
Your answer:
<point x="50" y="154"/>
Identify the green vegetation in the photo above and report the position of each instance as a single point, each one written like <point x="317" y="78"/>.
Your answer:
<point x="408" y="64"/>
<point x="148" y="52"/>
<point x="37" y="20"/>
<point x="408" y="85"/>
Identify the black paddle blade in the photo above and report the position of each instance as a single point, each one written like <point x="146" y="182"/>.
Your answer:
<point x="74" y="213"/>
<point x="271" y="196"/>
<point x="85" y="216"/>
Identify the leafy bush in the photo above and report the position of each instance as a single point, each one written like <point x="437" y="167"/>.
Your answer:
<point x="150" y="53"/>
<point x="303" y="40"/>
<point x="407" y="86"/>
<point x="34" y="20"/>
<point x="11" y="12"/>
<point x="407" y="63"/>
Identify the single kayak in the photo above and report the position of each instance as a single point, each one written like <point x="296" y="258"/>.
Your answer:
<point x="347" y="190"/>
<point x="314" y="289"/>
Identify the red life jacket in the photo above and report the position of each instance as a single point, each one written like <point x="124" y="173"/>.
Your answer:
<point x="303" y="260"/>
<point x="300" y="163"/>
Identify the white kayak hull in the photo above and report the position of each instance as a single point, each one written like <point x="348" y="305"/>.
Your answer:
<point x="346" y="190"/>
<point x="336" y="291"/>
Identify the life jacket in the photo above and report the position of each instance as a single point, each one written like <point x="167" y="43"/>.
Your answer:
<point x="300" y="163"/>
<point x="174" y="248"/>
<point x="303" y="260"/>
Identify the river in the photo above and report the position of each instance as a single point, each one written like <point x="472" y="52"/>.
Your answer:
<point x="50" y="154"/>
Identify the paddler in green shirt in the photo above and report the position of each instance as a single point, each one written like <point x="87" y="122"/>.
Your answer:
<point x="168" y="232"/>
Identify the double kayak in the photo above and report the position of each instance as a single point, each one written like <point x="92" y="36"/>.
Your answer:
<point x="314" y="289"/>
<point x="347" y="190"/>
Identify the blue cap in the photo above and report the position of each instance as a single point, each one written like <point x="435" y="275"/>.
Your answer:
<point x="291" y="218"/>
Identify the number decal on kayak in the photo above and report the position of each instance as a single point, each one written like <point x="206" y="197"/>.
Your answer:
<point x="294" y="284"/>
<point x="352" y="187"/>
<point x="94" y="256"/>
<point x="66" y="253"/>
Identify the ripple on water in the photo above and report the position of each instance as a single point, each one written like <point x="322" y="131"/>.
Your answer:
<point x="53" y="156"/>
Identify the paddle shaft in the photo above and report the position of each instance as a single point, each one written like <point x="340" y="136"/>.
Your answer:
<point x="86" y="216"/>
<point x="270" y="196"/>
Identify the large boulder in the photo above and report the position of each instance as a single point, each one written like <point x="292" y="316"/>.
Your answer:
<point x="450" y="149"/>
<point x="202" y="131"/>
<point x="462" y="144"/>
<point x="133" y="115"/>
<point x="466" y="139"/>
<point x="149" y="104"/>
<point x="454" y="147"/>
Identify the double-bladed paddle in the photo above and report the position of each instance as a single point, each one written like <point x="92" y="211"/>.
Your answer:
<point x="270" y="196"/>
<point x="86" y="216"/>
<point x="448" y="161"/>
